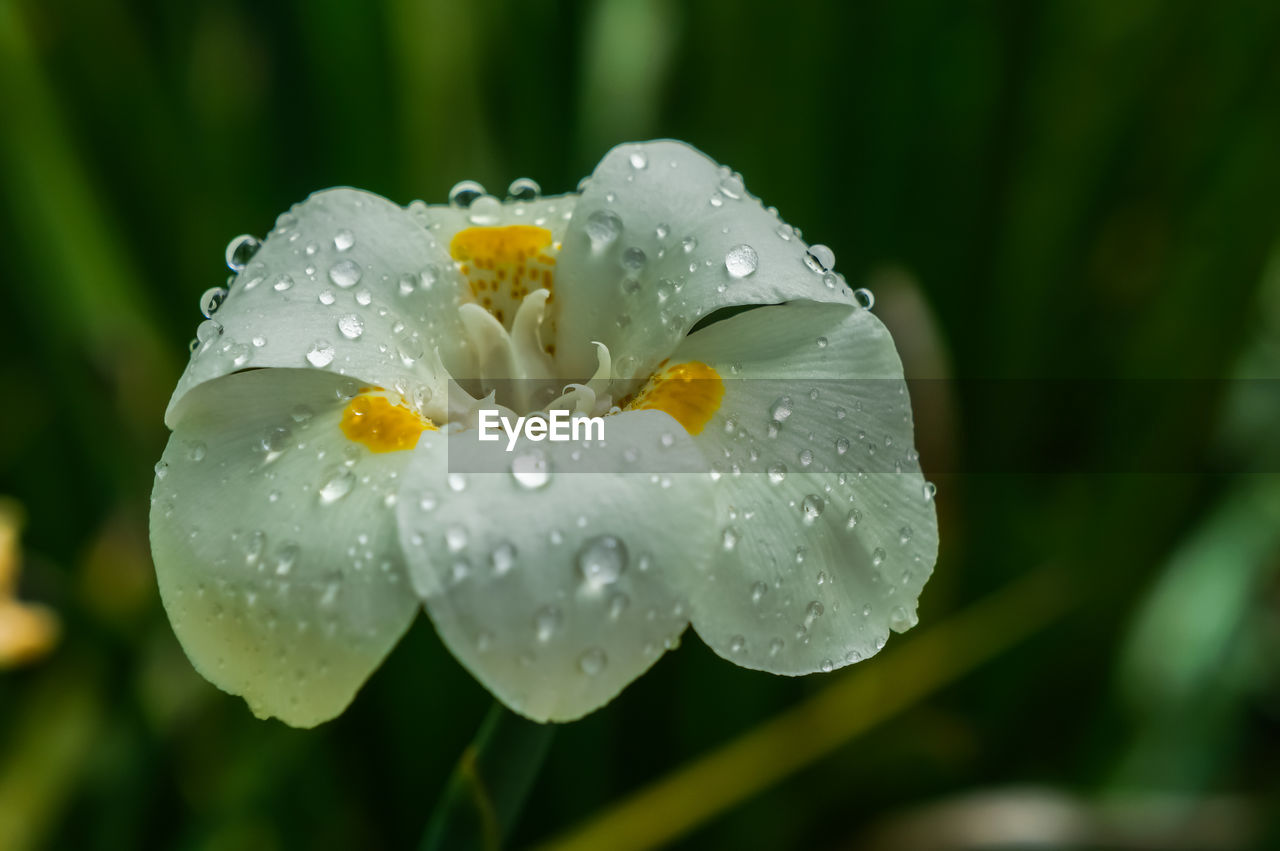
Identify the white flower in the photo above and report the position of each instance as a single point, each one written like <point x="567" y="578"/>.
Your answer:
<point x="323" y="480"/>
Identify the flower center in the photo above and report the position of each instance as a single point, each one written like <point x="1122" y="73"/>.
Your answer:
<point x="502" y="265"/>
<point x="690" y="392"/>
<point x="381" y="426"/>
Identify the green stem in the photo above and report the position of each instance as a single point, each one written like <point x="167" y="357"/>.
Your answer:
<point x="489" y="784"/>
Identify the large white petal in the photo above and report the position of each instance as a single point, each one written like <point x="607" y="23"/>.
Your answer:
<point x="827" y="532"/>
<point x="551" y="585"/>
<point x="654" y="246"/>
<point x="346" y="282"/>
<point x="275" y="543"/>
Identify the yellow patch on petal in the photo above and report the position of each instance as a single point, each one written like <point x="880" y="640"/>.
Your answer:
<point x="381" y="426"/>
<point x="504" y="264"/>
<point x="690" y="392"/>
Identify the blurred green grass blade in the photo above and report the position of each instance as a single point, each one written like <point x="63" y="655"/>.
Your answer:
<point x="96" y="303"/>
<point x="871" y="693"/>
<point x="489" y="784"/>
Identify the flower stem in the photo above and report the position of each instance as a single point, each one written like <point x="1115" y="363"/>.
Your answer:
<point x="489" y="784"/>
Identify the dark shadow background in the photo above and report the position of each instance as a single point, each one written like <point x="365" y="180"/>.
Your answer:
<point x="1085" y="189"/>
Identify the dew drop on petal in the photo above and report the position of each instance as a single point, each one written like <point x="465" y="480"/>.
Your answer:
<point x="602" y="560"/>
<point x="503" y="558"/>
<point x="338" y="486"/>
<point x="633" y="260"/>
<point x="464" y="192"/>
<point x="781" y="409"/>
<point x="240" y="251"/>
<point x="211" y="300"/>
<point x="930" y="491"/>
<point x="320" y="354"/>
<point x="737" y="644"/>
<point x="603" y="228"/>
<point x="282" y="283"/>
<point x="741" y="261"/>
<point x="638" y="160"/>
<point x="819" y="258"/>
<point x="531" y="470"/>
<point x="351" y="326"/>
<point x="865" y="298"/>
<point x="593" y="661"/>
<point x="546" y="621"/>
<point x="811" y="508"/>
<point x="524" y="189"/>
<point x="345" y="273"/>
<point x="344" y="239"/>
<point x="777" y="473"/>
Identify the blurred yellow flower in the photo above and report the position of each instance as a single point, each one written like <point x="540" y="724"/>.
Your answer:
<point x="27" y="631"/>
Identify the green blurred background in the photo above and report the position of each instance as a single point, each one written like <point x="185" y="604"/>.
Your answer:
<point x="1035" y="191"/>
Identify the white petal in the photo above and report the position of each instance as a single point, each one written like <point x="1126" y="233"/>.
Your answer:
<point x="654" y="246"/>
<point x="815" y="564"/>
<point x="551" y="586"/>
<point x="275" y="544"/>
<point x="346" y="282"/>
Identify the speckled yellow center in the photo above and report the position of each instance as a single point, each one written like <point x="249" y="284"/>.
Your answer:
<point x="381" y="426"/>
<point x="504" y="264"/>
<point x="690" y="392"/>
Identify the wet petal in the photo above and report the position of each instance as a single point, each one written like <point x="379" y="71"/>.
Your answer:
<point x="274" y="538"/>
<point x="826" y="529"/>
<point x="548" y="581"/>
<point x="661" y="237"/>
<point x="347" y="282"/>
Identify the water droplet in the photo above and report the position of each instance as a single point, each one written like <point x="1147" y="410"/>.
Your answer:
<point x="633" y="260"/>
<point x="930" y="491"/>
<point x="546" y="621"/>
<point x="344" y="239"/>
<point x="464" y="193"/>
<point x="865" y="298"/>
<point x="820" y="258"/>
<point x="338" y="486"/>
<point x="904" y="534"/>
<point x="240" y="251"/>
<point x="805" y="457"/>
<point x="455" y="538"/>
<point x="737" y="644"/>
<point x="345" y="273"/>
<point x="777" y="473"/>
<point x="731" y="187"/>
<point x="326" y="297"/>
<point x="282" y="283"/>
<point x="211" y="300"/>
<point x="811" y="507"/>
<point x="320" y="354"/>
<point x="729" y="538"/>
<point x="162" y="469"/>
<point x="523" y="189"/>
<point x="775" y="647"/>
<point x="457" y="482"/>
<point x="602" y="560"/>
<point x="781" y="409"/>
<point x="351" y="326"/>
<point x="503" y="558"/>
<point x="812" y="612"/>
<point x="196" y="451"/>
<point x="484" y="211"/>
<point x="758" y="590"/>
<point x="603" y="228"/>
<point x="877" y="556"/>
<point x="286" y="556"/>
<point x="593" y="661"/>
<point x="638" y="160"/>
<point x="741" y="261"/>
<point x="689" y="244"/>
<point x="531" y="470"/>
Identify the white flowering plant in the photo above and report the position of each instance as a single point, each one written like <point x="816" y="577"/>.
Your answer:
<point x="326" y="476"/>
